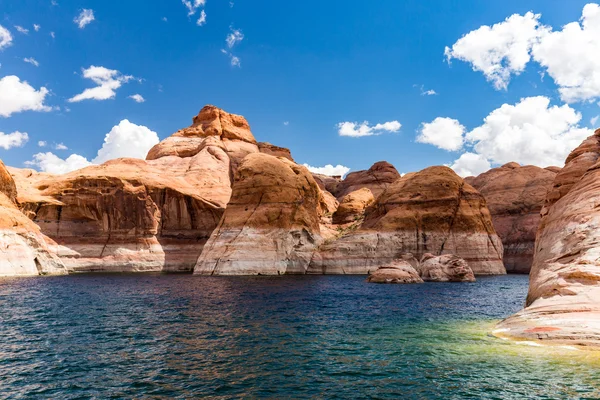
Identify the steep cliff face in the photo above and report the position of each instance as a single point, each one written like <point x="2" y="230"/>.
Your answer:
<point x="432" y="211"/>
<point x="352" y="206"/>
<point x="276" y="151"/>
<point x="135" y="215"/>
<point x="271" y="224"/>
<point x="376" y="179"/>
<point x="515" y="195"/>
<point x="563" y="304"/>
<point x="23" y="249"/>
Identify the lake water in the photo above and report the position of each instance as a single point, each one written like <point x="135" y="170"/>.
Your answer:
<point x="180" y="336"/>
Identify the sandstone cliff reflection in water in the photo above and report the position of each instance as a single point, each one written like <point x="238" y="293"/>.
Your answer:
<point x="312" y="336"/>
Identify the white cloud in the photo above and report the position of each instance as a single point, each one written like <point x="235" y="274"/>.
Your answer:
<point x="330" y="170"/>
<point x="193" y="5"/>
<point x="445" y="133"/>
<point x="42" y="143"/>
<point x="17" y="96"/>
<point x="235" y="61"/>
<point x="594" y="120"/>
<point x="36" y="27"/>
<point x="85" y="17"/>
<point x="286" y="123"/>
<point x="165" y="19"/>
<point x="138" y="98"/>
<point x="234" y="37"/>
<point x="53" y="35"/>
<point x="470" y="164"/>
<point x="15" y="139"/>
<point x="572" y="56"/>
<point x="54" y="2"/>
<point x="500" y="50"/>
<point x="31" y="61"/>
<point x="60" y="146"/>
<point x="355" y="129"/>
<point x="108" y="81"/>
<point x="429" y="92"/>
<point x="124" y="140"/>
<point x="5" y="38"/>
<point x="202" y="19"/>
<point x="22" y="30"/>
<point x="49" y="162"/>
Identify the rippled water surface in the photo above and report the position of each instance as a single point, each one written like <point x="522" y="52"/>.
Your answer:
<point x="179" y="336"/>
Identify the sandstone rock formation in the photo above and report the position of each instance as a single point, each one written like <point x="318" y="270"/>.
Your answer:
<point x="135" y="215"/>
<point x="563" y="304"/>
<point x="376" y="179"/>
<point x="326" y="182"/>
<point x="445" y="268"/>
<point x="352" y="206"/>
<point x="398" y="271"/>
<point x="515" y="195"/>
<point x="271" y="224"/>
<point x="276" y="151"/>
<point x="432" y="211"/>
<point x="23" y="249"/>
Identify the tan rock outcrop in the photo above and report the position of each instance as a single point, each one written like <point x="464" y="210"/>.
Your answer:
<point x="432" y="211"/>
<point x="326" y="182"/>
<point x="398" y="271"/>
<point x="276" y="151"/>
<point x="352" y="206"/>
<point x="515" y="195"/>
<point x="376" y="179"/>
<point x="563" y="303"/>
<point x="23" y="249"/>
<point x="271" y="224"/>
<point x="445" y="268"/>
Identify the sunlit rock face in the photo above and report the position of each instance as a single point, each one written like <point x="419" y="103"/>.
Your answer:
<point x="563" y="303"/>
<point x="515" y="195"/>
<point x="136" y="215"/>
<point x="271" y="224"/>
<point x="276" y="151"/>
<point x="445" y="268"/>
<point x="352" y="206"/>
<point x="398" y="271"/>
<point x="376" y="179"/>
<point x="431" y="211"/>
<point x="24" y="250"/>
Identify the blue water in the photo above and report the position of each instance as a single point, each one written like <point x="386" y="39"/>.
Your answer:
<point x="179" y="336"/>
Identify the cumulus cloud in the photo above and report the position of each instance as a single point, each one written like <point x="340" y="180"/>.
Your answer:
<point x="85" y="17"/>
<point x="234" y="37"/>
<point x="201" y="19"/>
<point x="5" y="38"/>
<point x="108" y="81"/>
<point x="569" y="56"/>
<point x="15" y="139"/>
<point x="330" y="170"/>
<point x="31" y="61"/>
<point x="138" y="98"/>
<point x="17" y="96"/>
<point x="36" y="27"/>
<point x="354" y="129"/>
<point x="193" y="5"/>
<point x="470" y="164"/>
<point x="445" y="133"/>
<point x="124" y="140"/>
<point x="61" y="146"/>
<point x="22" y="30"/>
<point x="42" y="143"/>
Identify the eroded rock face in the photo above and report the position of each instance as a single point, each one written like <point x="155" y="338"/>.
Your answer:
<point x="376" y="179"/>
<point x="563" y="304"/>
<point x="515" y="195"/>
<point x="276" y="151"/>
<point x="271" y="224"/>
<point x="23" y="249"/>
<point x="432" y="211"/>
<point x="445" y="268"/>
<point x="352" y="206"/>
<point x="326" y="182"/>
<point x="398" y="271"/>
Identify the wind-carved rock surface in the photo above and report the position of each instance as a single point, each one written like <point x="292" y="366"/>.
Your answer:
<point x="445" y="268"/>
<point x="24" y="250"/>
<point x="376" y="179"/>
<point x="515" y="195"/>
<point x="271" y="224"/>
<point x="398" y="271"/>
<point x="563" y="303"/>
<point x="136" y="215"/>
<point x="352" y="206"/>
<point x="431" y="211"/>
<point x="276" y="151"/>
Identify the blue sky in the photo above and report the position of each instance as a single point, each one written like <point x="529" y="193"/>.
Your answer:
<point x="310" y="64"/>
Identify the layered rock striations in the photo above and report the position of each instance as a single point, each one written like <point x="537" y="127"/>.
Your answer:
<point x="445" y="268"/>
<point x="432" y="211"/>
<point x="24" y="250"/>
<point x="515" y="195"/>
<point x="271" y="224"/>
<point x="376" y="179"/>
<point x="398" y="271"/>
<point x="563" y="303"/>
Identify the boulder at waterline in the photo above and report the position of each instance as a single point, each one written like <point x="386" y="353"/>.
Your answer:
<point x="445" y="268"/>
<point x="398" y="271"/>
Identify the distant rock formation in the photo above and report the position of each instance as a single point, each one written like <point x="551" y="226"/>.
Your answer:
<point x="326" y="182"/>
<point x="24" y="250"/>
<point x="431" y="211"/>
<point x="563" y="304"/>
<point x="376" y="179"/>
<point x="515" y="195"/>
<point x="445" y="268"/>
<point x="271" y="224"/>
<point x="276" y="151"/>
<point x="352" y="206"/>
<point x="398" y="271"/>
